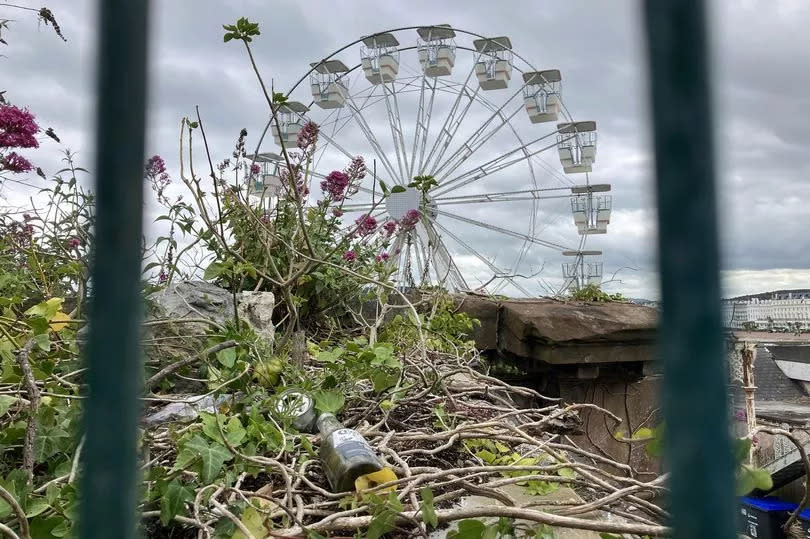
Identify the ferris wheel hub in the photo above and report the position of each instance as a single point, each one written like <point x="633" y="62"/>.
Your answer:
<point x="398" y="204"/>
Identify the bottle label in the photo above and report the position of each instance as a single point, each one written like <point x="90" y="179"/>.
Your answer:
<point x="343" y="436"/>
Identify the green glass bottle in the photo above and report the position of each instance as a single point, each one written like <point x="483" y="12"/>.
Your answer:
<point x="345" y="454"/>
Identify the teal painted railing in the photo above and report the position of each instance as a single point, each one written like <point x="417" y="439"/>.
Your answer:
<point x="109" y="483"/>
<point x="693" y="395"/>
<point x="690" y="340"/>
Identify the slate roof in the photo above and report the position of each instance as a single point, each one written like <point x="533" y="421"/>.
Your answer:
<point x="772" y="384"/>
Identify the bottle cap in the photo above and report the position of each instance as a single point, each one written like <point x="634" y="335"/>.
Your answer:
<point x="298" y="407"/>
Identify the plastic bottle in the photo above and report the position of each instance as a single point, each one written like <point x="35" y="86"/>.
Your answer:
<point x="345" y="455"/>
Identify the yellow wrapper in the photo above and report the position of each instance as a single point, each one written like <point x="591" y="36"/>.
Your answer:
<point x="371" y="480"/>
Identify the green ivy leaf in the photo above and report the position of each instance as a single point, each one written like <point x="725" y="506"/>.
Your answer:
<point x="46" y="309"/>
<point x="48" y="443"/>
<point x="36" y="507"/>
<point x="468" y="529"/>
<point x="38" y="324"/>
<point x="227" y="357"/>
<point x="234" y="431"/>
<point x="568" y="473"/>
<point x="544" y="531"/>
<point x="173" y="501"/>
<point x="742" y="448"/>
<point x="213" y="456"/>
<point x="643" y="433"/>
<point x="383" y="379"/>
<point x="428" y="510"/>
<point x="487" y="456"/>
<point x="6" y="401"/>
<point x="328" y="401"/>
<point x="43" y="341"/>
<point x="214" y="270"/>
<point x="254" y="522"/>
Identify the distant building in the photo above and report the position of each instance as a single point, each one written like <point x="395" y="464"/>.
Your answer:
<point x="782" y="310"/>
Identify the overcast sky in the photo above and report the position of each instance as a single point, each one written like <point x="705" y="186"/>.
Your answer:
<point x="761" y="59"/>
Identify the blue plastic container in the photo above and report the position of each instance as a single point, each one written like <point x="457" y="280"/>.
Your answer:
<point x="762" y="518"/>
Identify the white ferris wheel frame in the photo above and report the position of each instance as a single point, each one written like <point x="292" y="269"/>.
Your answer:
<point x="426" y="243"/>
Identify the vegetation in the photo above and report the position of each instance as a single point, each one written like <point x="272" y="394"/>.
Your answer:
<point x="594" y="293"/>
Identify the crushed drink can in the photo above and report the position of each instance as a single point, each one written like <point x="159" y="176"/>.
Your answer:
<point x="299" y="408"/>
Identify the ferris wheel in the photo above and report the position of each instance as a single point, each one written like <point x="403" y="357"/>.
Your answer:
<point x="482" y="158"/>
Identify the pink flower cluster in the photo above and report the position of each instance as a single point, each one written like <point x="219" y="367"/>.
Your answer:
<point x="155" y="173"/>
<point x="335" y="184"/>
<point x="350" y="256"/>
<point x="366" y="224"/>
<point x="409" y="221"/>
<point x="308" y="137"/>
<point x="382" y="257"/>
<point x="337" y="212"/>
<point x="390" y="227"/>
<point x="356" y="169"/>
<point x="300" y="182"/>
<point x="17" y="128"/>
<point x="15" y="163"/>
<point x="254" y="169"/>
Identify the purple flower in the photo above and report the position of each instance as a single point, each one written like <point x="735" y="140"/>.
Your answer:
<point x="15" y="163"/>
<point x="155" y="166"/>
<point x="155" y="173"/>
<point x="335" y="184"/>
<point x="74" y="242"/>
<point x="308" y="137"/>
<point x="390" y="227"/>
<point x="409" y="221"/>
<point x="300" y="183"/>
<point x="254" y="169"/>
<point x="366" y="224"/>
<point x="337" y="212"/>
<point x="382" y="257"/>
<point x="740" y="415"/>
<point x="350" y="256"/>
<point x="356" y="169"/>
<point x="17" y="128"/>
<point x="163" y="277"/>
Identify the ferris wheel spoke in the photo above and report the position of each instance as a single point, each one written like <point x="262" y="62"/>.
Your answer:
<point x="423" y="115"/>
<point x="444" y="264"/>
<point x="495" y="269"/>
<point x="506" y="232"/>
<point x="444" y="137"/>
<point x="395" y="124"/>
<point x="506" y="160"/>
<point x="348" y="155"/>
<point x="478" y="138"/>
<point x="352" y="208"/>
<point x="372" y="140"/>
<point x="507" y="196"/>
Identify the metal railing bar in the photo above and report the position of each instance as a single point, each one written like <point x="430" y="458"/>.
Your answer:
<point x="109" y="477"/>
<point x="697" y="445"/>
